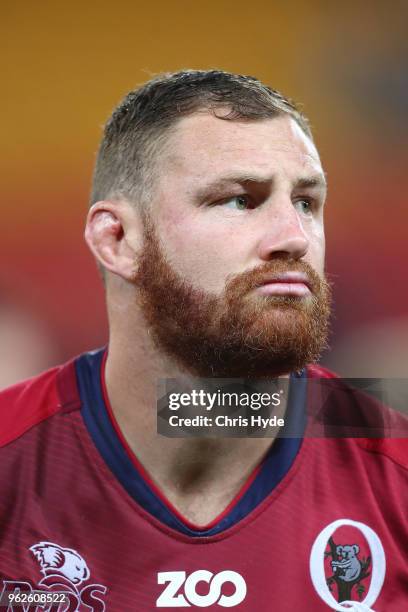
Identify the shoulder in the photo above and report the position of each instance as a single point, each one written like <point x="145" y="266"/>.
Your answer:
<point x="351" y="411"/>
<point x="395" y="449"/>
<point x="32" y="401"/>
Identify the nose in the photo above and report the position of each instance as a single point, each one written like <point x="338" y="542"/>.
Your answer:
<point x="283" y="234"/>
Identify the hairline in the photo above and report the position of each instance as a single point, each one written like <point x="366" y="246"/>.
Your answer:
<point x="155" y="151"/>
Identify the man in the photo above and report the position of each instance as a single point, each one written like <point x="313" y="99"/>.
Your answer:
<point x="207" y="224"/>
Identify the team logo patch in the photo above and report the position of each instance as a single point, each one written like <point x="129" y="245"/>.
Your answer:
<point x="64" y="570"/>
<point x="347" y="566"/>
<point x="55" y="560"/>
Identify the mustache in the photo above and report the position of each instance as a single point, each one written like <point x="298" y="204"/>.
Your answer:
<point x="269" y="271"/>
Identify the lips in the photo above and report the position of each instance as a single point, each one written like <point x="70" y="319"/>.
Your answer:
<point x="291" y="284"/>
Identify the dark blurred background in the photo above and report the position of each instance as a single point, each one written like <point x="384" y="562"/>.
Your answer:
<point x="67" y="64"/>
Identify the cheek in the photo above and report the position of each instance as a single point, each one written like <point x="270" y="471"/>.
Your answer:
<point x="201" y="251"/>
<point x="317" y="246"/>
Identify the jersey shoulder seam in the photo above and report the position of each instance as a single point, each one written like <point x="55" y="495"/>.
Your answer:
<point x="33" y="401"/>
<point x="388" y="447"/>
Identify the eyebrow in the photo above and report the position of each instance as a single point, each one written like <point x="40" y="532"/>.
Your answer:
<point x="319" y="180"/>
<point x="314" y="181"/>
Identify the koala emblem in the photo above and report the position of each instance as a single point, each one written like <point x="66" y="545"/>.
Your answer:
<point x="64" y="561"/>
<point x="348" y="568"/>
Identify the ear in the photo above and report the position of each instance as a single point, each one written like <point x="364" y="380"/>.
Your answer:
<point x="114" y="234"/>
<point x="356" y="548"/>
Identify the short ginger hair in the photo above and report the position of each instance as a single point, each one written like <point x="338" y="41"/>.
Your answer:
<point x="140" y="124"/>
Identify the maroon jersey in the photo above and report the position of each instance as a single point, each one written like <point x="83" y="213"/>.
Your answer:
<point x="319" y="522"/>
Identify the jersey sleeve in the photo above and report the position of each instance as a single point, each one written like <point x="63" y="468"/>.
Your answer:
<point x="26" y="404"/>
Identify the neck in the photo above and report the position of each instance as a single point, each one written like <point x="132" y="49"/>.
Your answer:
<point x="199" y="476"/>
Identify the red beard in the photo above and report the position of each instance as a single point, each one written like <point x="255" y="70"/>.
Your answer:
<point x="237" y="334"/>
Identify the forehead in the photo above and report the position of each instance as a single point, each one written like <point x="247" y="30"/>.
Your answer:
<point x="202" y="144"/>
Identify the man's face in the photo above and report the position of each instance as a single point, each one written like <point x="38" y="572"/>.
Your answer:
<point x="231" y="273"/>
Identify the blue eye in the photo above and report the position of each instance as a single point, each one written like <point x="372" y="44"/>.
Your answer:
<point x="304" y="205"/>
<point x="240" y="202"/>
